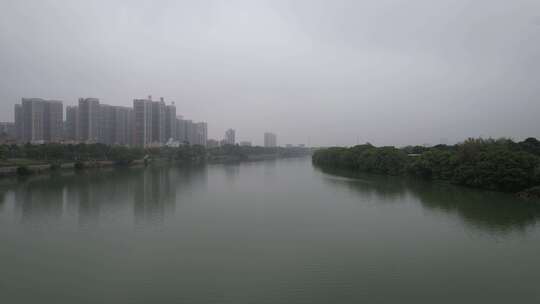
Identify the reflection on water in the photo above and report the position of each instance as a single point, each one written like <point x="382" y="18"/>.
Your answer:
<point x="39" y="201"/>
<point x="231" y="171"/>
<point x="489" y="211"/>
<point x="261" y="232"/>
<point x="154" y="195"/>
<point x="150" y="193"/>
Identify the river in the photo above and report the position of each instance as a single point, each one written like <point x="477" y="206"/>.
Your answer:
<point x="262" y="232"/>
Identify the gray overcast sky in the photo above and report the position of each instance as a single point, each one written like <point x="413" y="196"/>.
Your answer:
<point x="331" y="72"/>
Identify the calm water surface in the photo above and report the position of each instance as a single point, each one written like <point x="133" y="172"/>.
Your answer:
<point x="265" y="232"/>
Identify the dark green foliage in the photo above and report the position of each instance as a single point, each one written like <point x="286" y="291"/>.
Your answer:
<point x="384" y="160"/>
<point x="187" y="153"/>
<point x="56" y="166"/>
<point x="500" y="164"/>
<point x="23" y="171"/>
<point x="414" y="149"/>
<point x="503" y="170"/>
<point x="56" y="154"/>
<point x="70" y="153"/>
<point x="239" y="153"/>
<point x="366" y="158"/>
<point x="433" y="164"/>
<point x="334" y="157"/>
<point x="4" y="152"/>
<point x="123" y="155"/>
<point x="530" y="145"/>
<point x="79" y="165"/>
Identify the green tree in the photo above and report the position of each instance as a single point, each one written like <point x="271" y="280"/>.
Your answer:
<point x="4" y="152"/>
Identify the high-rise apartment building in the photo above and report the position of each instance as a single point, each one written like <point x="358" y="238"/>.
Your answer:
<point x="148" y="123"/>
<point x="181" y="129"/>
<point x="70" y="127"/>
<point x="158" y="122"/>
<point x="201" y="133"/>
<point x="270" y="140"/>
<point x="114" y="124"/>
<point x="230" y="137"/>
<point x="123" y="126"/>
<point x="53" y="121"/>
<point x="185" y="130"/>
<point x="170" y="122"/>
<point x="33" y="112"/>
<point x="189" y="132"/>
<point x="38" y="120"/>
<point x="190" y="135"/>
<point x="142" y="109"/>
<point x="88" y="120"/>
<point x="18" y="122"/>
<point x="107" y="125"/>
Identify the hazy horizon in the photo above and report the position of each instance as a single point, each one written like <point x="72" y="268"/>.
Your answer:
<point x="314" y="72"/>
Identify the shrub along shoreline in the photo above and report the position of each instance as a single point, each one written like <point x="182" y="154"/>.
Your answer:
<point x="500" y="165"/>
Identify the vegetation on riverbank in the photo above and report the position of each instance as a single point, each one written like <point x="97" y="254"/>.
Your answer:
<point x="24" y="158"/>
<point x="502" y="164"/>
<point x="232" y="153"/>
<point x="57" y="153"/>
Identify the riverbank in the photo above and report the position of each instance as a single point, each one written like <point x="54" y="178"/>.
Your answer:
<point x="532" y="193"/>
<point x="157" y="156"/>
<point x="30" y="169"/>
<point x="500" y="165"/>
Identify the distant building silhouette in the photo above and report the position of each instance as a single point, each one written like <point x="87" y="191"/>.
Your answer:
<point x="158" y="122"/>
<point x="143" y="122"/>
<point x="270" y="140"/>
<point x="38" y="120"/>
<point x="148" y="123"/>
<point x="88" y="120"/>
<point x="201" y="133"/>
<point x="70" y="127"/>
<point x="123" y="126"/>
<point x="170" y="122"/>
<point x="230" y="137"/>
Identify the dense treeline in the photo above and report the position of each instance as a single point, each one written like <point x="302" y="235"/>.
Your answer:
<point x="244" y="152"/>
<point x="502" y="164"/>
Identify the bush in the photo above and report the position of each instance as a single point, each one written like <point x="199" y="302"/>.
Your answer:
<point x="4" y="152"/>
<point x="498" y="170"/>
<point x="79" y="165"/>
<point x="56" y="166"/>
<point x="434" y="164"/>
<point x="23" y="171"/>
<point x="365" y="158"/>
